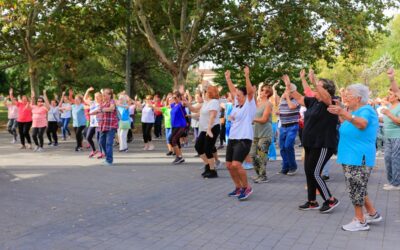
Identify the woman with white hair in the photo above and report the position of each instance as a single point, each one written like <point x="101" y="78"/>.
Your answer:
<point x="356" y="152"/>
<point x="124" y="123"/>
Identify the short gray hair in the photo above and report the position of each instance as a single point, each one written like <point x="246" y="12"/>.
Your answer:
<point x="359" y="90"/>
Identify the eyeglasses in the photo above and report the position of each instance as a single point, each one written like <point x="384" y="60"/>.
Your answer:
<point x="39" y="100"/>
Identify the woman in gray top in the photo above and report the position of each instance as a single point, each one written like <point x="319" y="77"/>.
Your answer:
<point x="262" y="134"/>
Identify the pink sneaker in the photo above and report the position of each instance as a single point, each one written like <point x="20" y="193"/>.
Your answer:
<point x="93" y="153"/>
<point x="101" y="156"/>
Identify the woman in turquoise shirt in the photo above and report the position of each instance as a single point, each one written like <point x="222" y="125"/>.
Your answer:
<point x="356" y="152"/>
<point x="78" y="120"/>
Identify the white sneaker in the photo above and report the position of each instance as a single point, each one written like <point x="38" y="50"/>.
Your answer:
<point x="218" y="164"/>
<point x="386" y="185"/>
<point x="373" y="218"/>
<point x="146" y="146"/>
<point x="40" y="149"/>
<point x="391" y="187"/>
<point x="151" y="147"/>
<point x="355" y="225"/>
<point x="36" y="149"/>
<point x="14" y="141"/>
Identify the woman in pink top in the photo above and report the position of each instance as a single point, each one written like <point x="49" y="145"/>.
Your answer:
<point x="11" y="105"/>
<point x="24" y="119"/>
<point x="39" y="119"/>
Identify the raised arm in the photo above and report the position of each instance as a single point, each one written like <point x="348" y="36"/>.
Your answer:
<point x="344" y="115"/>
<point x="325" y="96"/>
<point x="46" y="100"/>
<point x="393" y="83"/>
<point x="86" y="96"/>
<point x="288" y="93"/>
<point x="304" y="82"/>
<point x="61" y="100"/>
<point x="11" y="93"/>
<point x="231" y="86"/>
<point x="32" y="97"/>
<point x="249" y="88"/>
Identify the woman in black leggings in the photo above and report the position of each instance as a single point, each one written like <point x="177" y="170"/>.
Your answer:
<point x="39" y="119"/>
<point x="53" y="118"/>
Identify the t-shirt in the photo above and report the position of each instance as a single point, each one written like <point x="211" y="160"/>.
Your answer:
<point x="12" y="111"/>
<point x="178" y="114"/>
<point x="66" y="113"/>
<point x="166" y="111"/>
<point x="263" y="130"/>
<point x="24" y="113"/>
<point x="241" y="127"/>
<point x="356" y="145"/>
<point x="391" y="129"/>
<point x="54" y="114"/>
<point x="78" y="115"/>
<point x="94" y="119"/>
<point x="147" y="114"/>
<point x="207" y="106"/>
<point x="39" y="116"/>
<point x="123" y="113"/>
<point x="320" y="126"/>
<point x="287" y="115"/>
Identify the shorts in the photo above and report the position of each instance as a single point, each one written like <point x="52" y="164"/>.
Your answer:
<point x="237" y="150"/>
<point x="356" y="178"/>
<point x="176" y="135"/>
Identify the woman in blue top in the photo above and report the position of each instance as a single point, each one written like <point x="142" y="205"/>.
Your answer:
<point x="356" y="152"/>
<point x="124" y="123"/>
<point x="178" y="123"/>
<point x="78" y="120"/>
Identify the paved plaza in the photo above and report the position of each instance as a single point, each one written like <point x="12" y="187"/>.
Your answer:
<point x="60" y="199"/>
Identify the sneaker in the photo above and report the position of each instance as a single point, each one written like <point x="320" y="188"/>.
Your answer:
<point x="178" y="160"/>
<point x="218" y="164"/>
<point x="386" y="184"/>
<point x="146" y="147"/>
<point x="309" y="206"/>
<point x="325" y="178"/>
<point x="40" y="149"/>
<point x="246" y="192"/>
<point x="50" y="143"/>
<point x="77" y="149"/>
<point x="283" y="172"/>
<point x="55" y="144"/>
<point x="355" y="225"/>
<point x="262" y="179"/>
<point x="220" y="147"/>
<point x="106" y="163"/>
<point x="247" y="165"/>
<point x="211" y="174"/>
<point x="14" y="141"/>
<point x="36" y="149"/>
<point x="101" y="156"/>
<point x="206" y="170"/>
<point x="123" y="150"/>
<point x="29" y="146"/>
<point x="235" y="193"/>
<point x="255" y="177"/>
<point x="370" y="219"/>
<point x="391" y="188"/>
<point x="151" y="147"/>
<point x="329" y="205"/>
<point x="169" y="153"/>
<point x="292" y="172"/>
<point x="22" y="147"/>
<point x="93" y="153"/>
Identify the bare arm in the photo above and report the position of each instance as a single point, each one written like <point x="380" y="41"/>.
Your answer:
<point x="288" y="93"/>
<point x="249" y="88"/>
<point x="392" y="117"/>
<point x="344" y="115"/>
<point x="265" y="116"/>
<point x="325" y="96"/>
<point x="303" y="79"/>
<point x="46" y="100"/>
<point x="231" y="86"/>
<point x="393" y="83"/>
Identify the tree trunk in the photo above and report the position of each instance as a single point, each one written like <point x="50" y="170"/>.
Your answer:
<point x="128" y="82"/>
<point x="179" y="78"/>
<point x="33" y="76"/>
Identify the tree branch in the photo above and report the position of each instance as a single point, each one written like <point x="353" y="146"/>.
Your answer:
<point x="183" y="21"/>
<point x="10" y="65"/>
<point x="171" y="22"/>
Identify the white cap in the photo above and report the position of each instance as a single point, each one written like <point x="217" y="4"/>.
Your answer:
<point x="293" y="87"/>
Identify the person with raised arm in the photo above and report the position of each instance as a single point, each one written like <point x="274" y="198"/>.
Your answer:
<point x="320" y="139"/>
<point x="274" y="99"/>
<point x="241" y="134"/>
<point x="65" y="109"/>
<point x="12" y="115"/>
<point x="24" y="119"/>
<point x="53" y="118"/>
<point x="93" y="129"/>
<point x="39" y="119"/>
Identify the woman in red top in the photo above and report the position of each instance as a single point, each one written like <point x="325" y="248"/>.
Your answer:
<point x="39" y="119"/>
<point x="24" y="119"/>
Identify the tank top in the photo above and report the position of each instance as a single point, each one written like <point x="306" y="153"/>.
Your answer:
<point x="263" y="130"/>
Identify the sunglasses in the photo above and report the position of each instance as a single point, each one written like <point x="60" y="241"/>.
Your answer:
<point x="39" y="100"/>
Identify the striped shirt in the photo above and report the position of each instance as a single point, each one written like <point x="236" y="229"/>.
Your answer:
<point x="287" y="115"/>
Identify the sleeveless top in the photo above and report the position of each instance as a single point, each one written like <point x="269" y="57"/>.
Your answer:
<point x="263" y="130"/>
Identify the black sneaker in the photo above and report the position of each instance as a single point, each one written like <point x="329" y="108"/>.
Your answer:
<point x="325" y="177"/>
<point x="309" y="206"/>
<point x="55" y="144"/>
<point x="169" y="153"/>
<point x="292" y="172"/>
<point x="206" y="170"/>
<point x="178" y="160"/>
<point x="329" y="205"/>
<point x="283" y="172"/>
<point x="211" y="174"/>
<point x="50" y="143"/>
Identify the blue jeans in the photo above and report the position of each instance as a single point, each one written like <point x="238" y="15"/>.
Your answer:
<point x="107" y="141"/>
<point x="272" y="150"/>
<point x="287" y="139"/>
<point x="65" y="129"/>
<point x="392" y="160"/>
<point x="168" y="132"/>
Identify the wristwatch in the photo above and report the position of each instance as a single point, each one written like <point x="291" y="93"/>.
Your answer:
<point x="352" y="118"/>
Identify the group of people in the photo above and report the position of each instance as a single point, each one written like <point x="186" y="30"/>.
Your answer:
<point x="346" y="125"/>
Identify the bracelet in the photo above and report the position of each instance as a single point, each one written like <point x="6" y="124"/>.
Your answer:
<point x="352" y="118"/>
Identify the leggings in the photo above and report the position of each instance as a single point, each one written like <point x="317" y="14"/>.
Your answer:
<point x="222" y="134"/>
<point x="51" y="132"/>
<point x="23" y="129"/>
<point x="146" y="129"/>
<point x="65" y="129"/>
<point x="91" y="131"/>
<point x="314" y="162"/>
<point x="205" y="144"/>
<point x="176" y="135"/>
<point x="79" y="135"/>
<point x="37" y="133"/>
<point x="12" y="127"/>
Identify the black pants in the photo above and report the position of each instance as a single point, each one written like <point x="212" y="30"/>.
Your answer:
<point x="301" y="135"/>
<point x="23" y="130"/>
<point x="222" y="134"/>
<point x="91" y="131"/>
<point x="51" y="131"/>
<point x="37" y="135"/>
<point x="314" y="162"/>
<point x="79" y="135"/>
<point x="157" y="126"/>
<point x="205" y="144"/>
<point x="146" y="130"/>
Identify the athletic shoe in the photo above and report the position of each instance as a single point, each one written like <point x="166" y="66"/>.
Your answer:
<point x="282" y="172"/>
<point x="255" y="177"/>
<point x="50" y="143"/>
<point x="93" y="153"/>
<point x="391" y="188"/>
<point x="309" y="206"/>
<point x="146" y="147"/>
<point x="22" y="147"/>
<point x="329" y="205"/>
<point x="55" y="144"/>
<point x="151" y="147"/>
<point x="245" y="193"/>
<point x="178" y="160"/>
<point x="106" y="163"/>
<point x="386" y="184"/>
<point x="218" y="164"/>
<point x="370" y="219"/>
<point x="220" y="147"/>
<point x="235" y="193"/>
<point x="292" y="172"/>
<point x="77" y="149"/>
<point x="123" y="150"/>
<point x="29" y="146"/>
<point x="247" y="165"/>
<point x="169" y="153"/>
<point x="211" y="174"/>
<point x="40" y="149"/>
<point x="36" y="149"/>
<point x="14" y="141"/>
<point x="101" y="156"/>
<point x="261" y="179"/>
<point x="206" y="170"/>
<point x="355" y="225"/>
<point x="325" y="178"/>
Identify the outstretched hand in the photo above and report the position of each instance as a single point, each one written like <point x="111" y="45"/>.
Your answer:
<point x="335" y="109"/>
<point x="302" y="73"/>
<point x="390" y="73"/>
<point x="311" y="76"/>
<point x="227" y="74"/>
<point x="246" y="71"/>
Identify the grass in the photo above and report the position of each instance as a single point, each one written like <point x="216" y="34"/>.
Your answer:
<point x="3" y="115"/>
